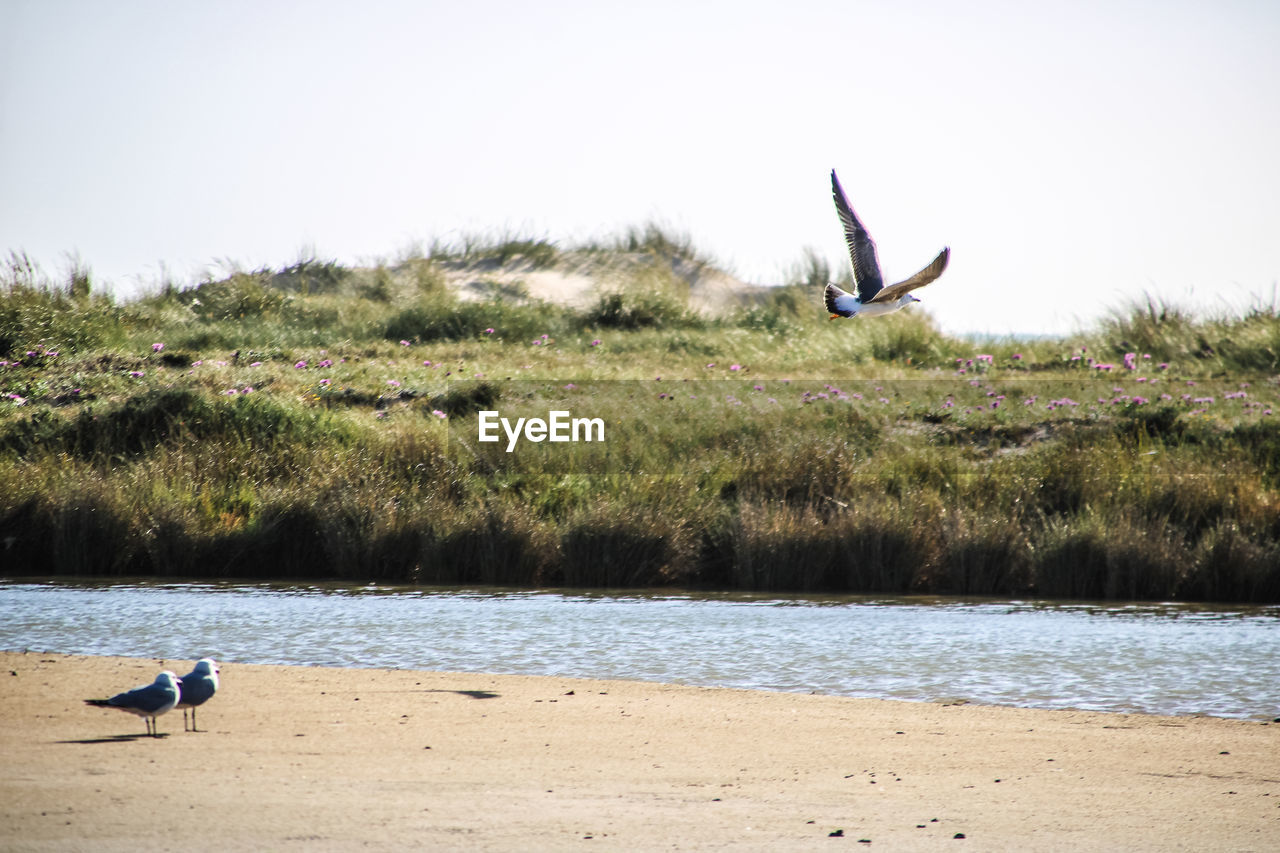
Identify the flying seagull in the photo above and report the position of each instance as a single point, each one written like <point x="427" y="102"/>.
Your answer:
<point x="148" y="701"/>
<point x="873" y="297"/>
<point x="198" y="687"/>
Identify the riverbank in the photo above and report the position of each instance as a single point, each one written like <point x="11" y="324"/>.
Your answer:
<point x="345" y="758"/>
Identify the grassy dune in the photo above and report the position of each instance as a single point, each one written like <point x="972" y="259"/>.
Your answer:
<point x="321" y="422"/>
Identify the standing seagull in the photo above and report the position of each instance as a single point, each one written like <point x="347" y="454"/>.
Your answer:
<point x="873" y="297"/>
<point x="198" y="687"/>
<point x="148" y="701"/>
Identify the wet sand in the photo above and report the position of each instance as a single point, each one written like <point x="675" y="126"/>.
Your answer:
<point x="325" y="758"/>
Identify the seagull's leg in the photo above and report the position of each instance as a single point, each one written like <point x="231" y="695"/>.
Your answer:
<point x="184" y="720"/>
<point x="194" y="728"/>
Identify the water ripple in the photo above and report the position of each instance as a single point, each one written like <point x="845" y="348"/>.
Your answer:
<point x="1149" y="658"/>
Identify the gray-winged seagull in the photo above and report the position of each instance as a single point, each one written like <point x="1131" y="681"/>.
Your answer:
<point x="148" y="701"/>
<point x="873" y="298"/>
<point x="198" y="687"/>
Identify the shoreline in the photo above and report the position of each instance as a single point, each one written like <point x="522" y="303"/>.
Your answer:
<point x="341" y="758"/>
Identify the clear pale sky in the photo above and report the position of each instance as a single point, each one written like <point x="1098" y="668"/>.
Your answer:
<point x="1075" y="156"/>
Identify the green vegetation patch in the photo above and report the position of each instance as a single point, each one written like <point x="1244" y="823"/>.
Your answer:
<point x="318" y="421"/>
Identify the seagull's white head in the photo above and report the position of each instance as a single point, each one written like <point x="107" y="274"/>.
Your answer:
<point x="168" y="678"/>
<point x="206" y="666"/>
<point x="907" y="299"/>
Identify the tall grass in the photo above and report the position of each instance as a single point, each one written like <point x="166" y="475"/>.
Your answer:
<point x="1250" y="342"/>
<point x="39" y="314"/>
<point x="310" y="422"/>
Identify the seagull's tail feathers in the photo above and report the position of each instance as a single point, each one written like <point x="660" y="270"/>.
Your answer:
<point x="98" y="703"/>
<point x="831" y="297"/>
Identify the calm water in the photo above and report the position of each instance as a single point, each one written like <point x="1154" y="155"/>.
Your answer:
<point x="1156" y="658"/>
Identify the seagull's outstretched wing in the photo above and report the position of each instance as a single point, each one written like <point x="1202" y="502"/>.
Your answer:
<point x="862" y="251"/>
<point x="920" y="279"/>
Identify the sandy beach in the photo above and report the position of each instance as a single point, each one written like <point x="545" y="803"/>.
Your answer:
<point x="326" y="758"/>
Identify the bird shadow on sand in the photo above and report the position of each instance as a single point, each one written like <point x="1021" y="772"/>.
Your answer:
<point x="116" y="738"/>
<point x="472" y="694"/>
